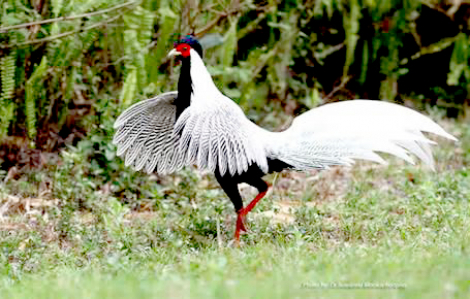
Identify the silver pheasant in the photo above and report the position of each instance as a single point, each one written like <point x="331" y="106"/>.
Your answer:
<point x="198" y="125"/>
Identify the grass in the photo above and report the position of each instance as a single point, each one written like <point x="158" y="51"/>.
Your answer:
<point x="370" y="231"/>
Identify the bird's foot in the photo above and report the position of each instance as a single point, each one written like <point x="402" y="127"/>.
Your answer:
<point x="240" y="228"/>
<point x="241" y="216"/>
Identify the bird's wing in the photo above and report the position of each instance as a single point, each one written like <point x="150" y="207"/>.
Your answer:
<point x="145" y="135"/>
<point x="338" y="133"/>
<point x="219" y="136"/>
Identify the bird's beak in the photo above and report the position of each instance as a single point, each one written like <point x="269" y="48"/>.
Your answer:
<point x="173" y="53"/>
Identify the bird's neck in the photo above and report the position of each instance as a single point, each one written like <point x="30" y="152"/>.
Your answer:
<point x="204" y="88"/>
<point x="195" y="85"/>
<point x="185" y="87"/>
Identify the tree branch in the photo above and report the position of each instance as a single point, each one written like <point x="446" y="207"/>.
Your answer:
<point x="53" y="37"/>
<point x="68" y="18"/>
<point x="337" y="88"/>
<point x="221" y="15"/>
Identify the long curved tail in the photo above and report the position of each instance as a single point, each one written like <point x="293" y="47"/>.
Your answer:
<point x="339" y="133"/>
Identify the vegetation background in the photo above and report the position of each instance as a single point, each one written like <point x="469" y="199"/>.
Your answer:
<point x="72" y="217"/>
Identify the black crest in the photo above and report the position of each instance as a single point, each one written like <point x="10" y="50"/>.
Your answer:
<point x="192" y="41"/>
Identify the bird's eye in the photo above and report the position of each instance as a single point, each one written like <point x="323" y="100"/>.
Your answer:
<point x="185" y="48"/>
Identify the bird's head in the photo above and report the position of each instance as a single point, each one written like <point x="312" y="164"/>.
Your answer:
<point x="183" y="46"/>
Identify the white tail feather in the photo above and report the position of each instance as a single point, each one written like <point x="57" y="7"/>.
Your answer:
<point x="337" y="133"/>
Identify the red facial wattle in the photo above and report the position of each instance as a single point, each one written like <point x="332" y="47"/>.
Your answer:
<point x="183" y="49"/>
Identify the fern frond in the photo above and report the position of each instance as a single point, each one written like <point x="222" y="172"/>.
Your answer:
<point x="459" y="59"/>
<point x="137" y="37"/>
<point x="351" y="28"/>
<point x="7" y="74"/>
<point x="167" y="20"/>
<point x="57" y="6"/>
<point x="89" y="38"/>
<point x="230" y="43"/>
<point x="30" y="97"/>
<point x="129" y="88"/>
<point x="7" y="114"/>
<point x="7" y="68"/>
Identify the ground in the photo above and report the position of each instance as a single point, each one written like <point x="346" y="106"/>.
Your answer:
<point x="371" y="230"/>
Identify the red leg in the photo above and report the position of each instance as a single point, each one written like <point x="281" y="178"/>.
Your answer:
<point x="243" y="212"/>
<point x="240" y="227"/>
<point x="253" y="203"/>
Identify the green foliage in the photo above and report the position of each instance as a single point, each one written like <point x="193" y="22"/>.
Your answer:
<point x="351" y="28"/>
<point x="7" y="67"/>
<point x="137" y="37"/>
<point x="282" y="59"/>
<point x="459" y="61"/>
<point x="7" y="73"/>
<point x="31" y="95"/>
<point x="129" y="89"/>
<point x="57" y="6"/>
<point x="167" y="21"/>
<point x="230" y="43"/>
